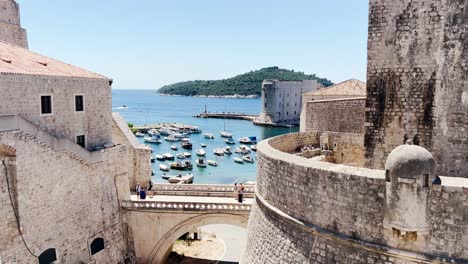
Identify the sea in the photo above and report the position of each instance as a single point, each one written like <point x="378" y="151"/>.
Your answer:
<point x="148" y="107"/>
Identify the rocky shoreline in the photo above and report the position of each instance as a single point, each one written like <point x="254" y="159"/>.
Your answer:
<point x="234" y="96"/>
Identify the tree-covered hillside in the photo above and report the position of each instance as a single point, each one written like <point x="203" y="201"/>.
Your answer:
<point x="245" y="84"/>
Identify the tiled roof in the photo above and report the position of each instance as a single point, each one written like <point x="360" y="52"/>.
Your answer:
<point x="350" y="87"/>
<point x="18" y="60"/>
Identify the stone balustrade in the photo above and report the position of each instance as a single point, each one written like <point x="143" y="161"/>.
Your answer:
<point x="248" y="188"/>
<point x="187" y="206"/>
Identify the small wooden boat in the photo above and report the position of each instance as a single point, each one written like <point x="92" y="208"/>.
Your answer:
<point x="187" y="154"/>
<point x="186" y="143"/>
<point x="212" y="162"/>
<point x="226" y="134"/>
<point x="174" y="147"/>
<point x="227" y="150"/>
<point x="181" y="179"/>
<point x="248" y="159"/>
<point x="160" y="157"/>
<point x="139" y="134"/>
<point x="208" y="135"/>
<point x="163" y="167"/>
<point x="238" y="160"/>
<point x="218" y="151"/>
<point x="168" y="156"/>
<point x="230" y="141"/>
<point x="253" y="147"/>
<point x="181" y="165"/>
<point x="201" y="163"/>
<point x="200" y="152"/>
<point x="203" y="145"/>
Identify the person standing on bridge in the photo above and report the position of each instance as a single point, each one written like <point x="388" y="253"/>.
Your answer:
<point x="236" y="191"/>
<point x="241" y="193"/>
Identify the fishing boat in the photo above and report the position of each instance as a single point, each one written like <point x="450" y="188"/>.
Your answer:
<point x="238" y="160"/>
<point x="242" y="150"/>
<point x="181" y="165"/>
<point x="201" y="163"/>
<point x="253" y="147"/>
<point x="152" y="139"/>
<point x="212" y="162"/>
<point x="153" y="160"/>
<point x="163" y="167"/>
<point x="227" y="150"/>
<point x="187" y="154"/>
<point x="186" y="143"/>
<point x="200" y="152"/>
<point x="181" y="179"/>
<point x="208" y="135"/>
<point x="160" y="157"/>
<point x="203" y="145"/>
<point x="248" y="158"/>
<point x="139" y="134"/>
<point x="180" y="156"/>
<point x="218" y="151"/>
<point x="174" y="147"/>
<point x="230" y="141"/>
<point x="168" y="156"/>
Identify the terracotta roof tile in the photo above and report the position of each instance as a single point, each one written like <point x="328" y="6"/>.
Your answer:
<point x="350" y="87"/>
<point x="18" y="60"/>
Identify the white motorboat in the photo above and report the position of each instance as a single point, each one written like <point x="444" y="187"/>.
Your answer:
<point x="152" y="139"/>
<point x="186" y="144"/>
<point x="208" y="135"/>
<point x="163" y="167"/>
<point x="248" y="158"/>
<point x="180" y="156"/>
<point x="200" y="152"/>
<point x="180" y="135"/>
<point x="171" y="138"/>
<point x="226" y="134"/>
<point x="227" y="150"/>
<point x="179" y="179"/>
<point x="187" y="154"/>
<point x="242" y="150"/>
<point x="165" y="131"/>
<point x="203" y="145"/>
<point x="160" y="157"/>
<point x="195" y="130"/>
<point x="168" y="156"/>
<point x="218" y="151"/>
<point x="238" y="160"/>
<point x="153" y="132"/>
<point x="139" y="134"/>
<point x="245" y="140"/>
<point x="253" y="147"/>
<point x="212" y="162"/>
<point x="201" y="163"/>
<point x="174" y="147"/>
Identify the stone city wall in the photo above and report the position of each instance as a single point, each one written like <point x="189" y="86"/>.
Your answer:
<point x="21" y="94"/>
<point x="337" y="115"/>
<point x="417" y="85"/>
<point x="62" y="202"/>
<point x="138" y="155"/>
<point x="344" y="207"/>
<point x="13" y="34"/>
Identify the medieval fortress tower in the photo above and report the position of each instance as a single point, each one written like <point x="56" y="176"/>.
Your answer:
<point x="345" y="191"/>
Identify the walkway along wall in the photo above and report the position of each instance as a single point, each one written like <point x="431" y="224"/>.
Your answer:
<point x="316" y="212"/>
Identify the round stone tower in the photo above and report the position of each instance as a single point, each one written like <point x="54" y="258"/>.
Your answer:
<point x="10" y="25"/>
<point x="409" y="171"/>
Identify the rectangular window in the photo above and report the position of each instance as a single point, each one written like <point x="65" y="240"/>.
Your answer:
<point x="425" y="180"/>
<point x="80" y="140"/>
<point x="46" y="104"/>
<point x="79" y="103"/>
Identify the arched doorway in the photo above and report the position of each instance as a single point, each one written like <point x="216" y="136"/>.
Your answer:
<point x="162" y="247"/>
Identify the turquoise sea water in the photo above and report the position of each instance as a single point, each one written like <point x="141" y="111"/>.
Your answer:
<point x="147" y="107"/>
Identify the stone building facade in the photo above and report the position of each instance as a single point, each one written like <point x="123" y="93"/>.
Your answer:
<point x="65" y="162"/>
<point x="282" y="101"/>
<point x="417" y="81"/>
<point x="10" y="25"/>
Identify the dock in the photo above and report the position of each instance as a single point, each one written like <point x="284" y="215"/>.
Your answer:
<point x="228" y="115"/>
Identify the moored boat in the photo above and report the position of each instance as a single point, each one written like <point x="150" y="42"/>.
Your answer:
<point x="160" y="157"/>
<point x="153" y="159"/>
<point x="174" y="147"/>
<point x="181" y="179"/>
<point x="152" y="139"/>
<point x="168" y="156"/>
<point x="208" y="135"/>
<point x="171" y="138"/>
<point x="187" y="154"/>
<point x="242" y="150"/>
<point x="165" y="176"/>
<point x="200" y="152"/>
<point x="253" y="147"/>
<point x="163" y="167"/>
<point x="238" y="160"/>
<point x="180" y="156"/>
<point x="227" y="150"/>
<point x="201" y="163"/>
<point x="139" y="134"/>
<point x="181" y="165"/>
<point x="186" y="143"/>
<point x="230" y="141"/>
<point x="203" y="145"/>
<point x="245" y="140"/>
<point x="153" y="132"/>
<point x="225" y="134"/>
<point x="218" y="151"/>
<point x="247" y="158"/>
<point x="212" y="162"/>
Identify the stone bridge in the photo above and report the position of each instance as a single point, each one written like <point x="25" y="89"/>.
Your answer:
<point x="173" y="210"/>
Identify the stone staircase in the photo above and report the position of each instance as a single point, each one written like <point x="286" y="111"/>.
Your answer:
<point x="25" y="130"/>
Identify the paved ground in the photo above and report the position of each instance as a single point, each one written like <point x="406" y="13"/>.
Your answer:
<point x="233" y="237"/>
<point x="193" y="199"/>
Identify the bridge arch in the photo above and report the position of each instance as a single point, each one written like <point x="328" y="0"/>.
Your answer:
<point x="161" y="249"/>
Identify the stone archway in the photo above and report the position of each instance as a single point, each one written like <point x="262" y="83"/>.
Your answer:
<point x="161" y="249"/>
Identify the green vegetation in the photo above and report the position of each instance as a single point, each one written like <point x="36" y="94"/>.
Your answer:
<point x="245" y="84"/>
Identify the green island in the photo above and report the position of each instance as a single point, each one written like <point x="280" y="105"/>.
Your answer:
<point x="247" y="84"/>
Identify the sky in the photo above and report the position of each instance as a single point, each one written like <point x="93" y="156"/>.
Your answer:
<point x="150" y="43"/>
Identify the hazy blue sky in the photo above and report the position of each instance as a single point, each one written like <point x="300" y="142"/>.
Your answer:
<point x="148" y="43"/>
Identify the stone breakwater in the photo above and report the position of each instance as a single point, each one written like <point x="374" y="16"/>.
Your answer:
<point x="317" y="212"/>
